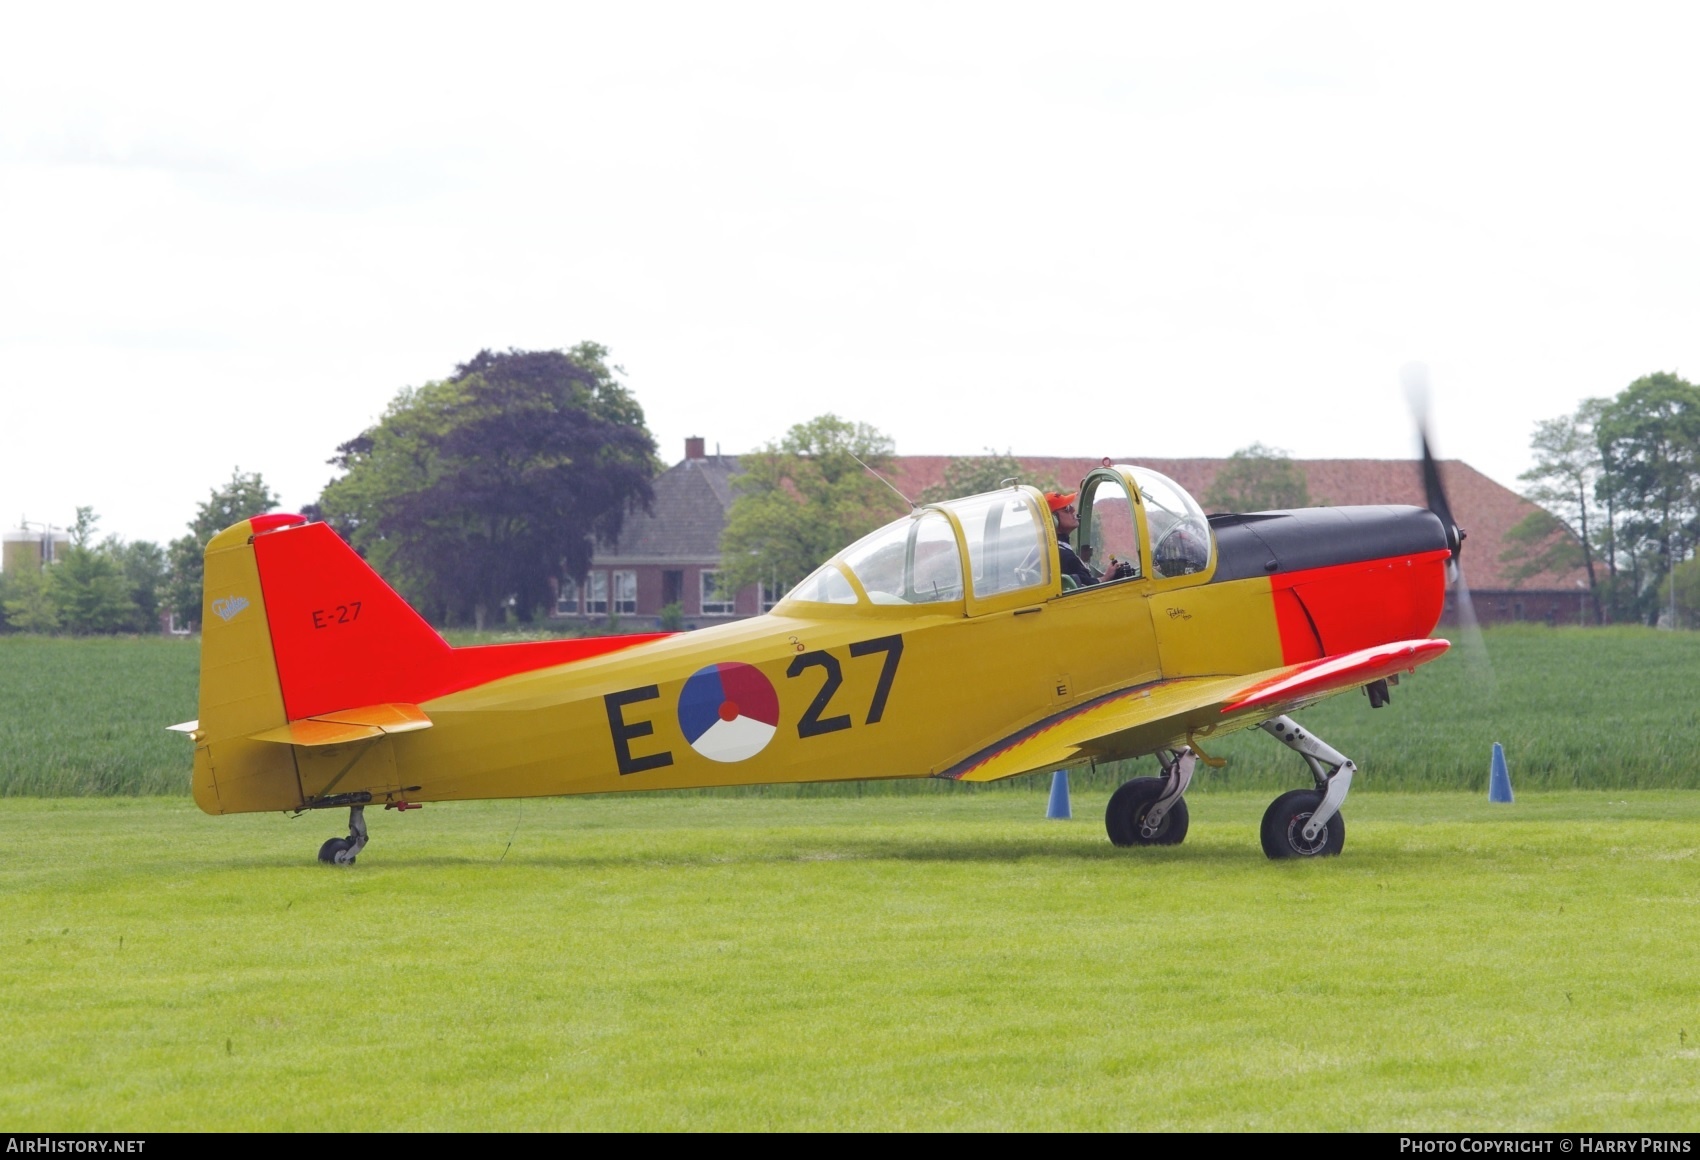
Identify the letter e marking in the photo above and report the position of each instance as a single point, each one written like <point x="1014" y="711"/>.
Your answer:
<point x="623" y="732"/>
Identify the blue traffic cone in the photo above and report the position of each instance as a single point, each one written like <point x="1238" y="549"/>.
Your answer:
<point x="1058" y="807"/>
<point x="1499" y="778"/>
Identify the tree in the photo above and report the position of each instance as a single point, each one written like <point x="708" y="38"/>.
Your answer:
<point x="1563" y="481"/>
<point x="802" y="499"/>
<point x="146" y="573"/>
<point x="87" y="587"/>
<point x="244" y="496"/>
<point x="973" y="474"/>
<point x="475" y="493"/>
<point x="1649" y="442"/>
<point x="1257" y="479"/>
<point x="28" y="604"/>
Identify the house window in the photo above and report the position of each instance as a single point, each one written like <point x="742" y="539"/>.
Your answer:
<point x="771" y="594"/>
<point x="596" y="594"/>
<point x="566" y="602"/>
<point x="625" y="593"/>
<point x="714" y="602"/>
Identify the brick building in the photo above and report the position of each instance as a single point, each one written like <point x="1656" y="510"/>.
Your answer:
<point x="671" y="555"/>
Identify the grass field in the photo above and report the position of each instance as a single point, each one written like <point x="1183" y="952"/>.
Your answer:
<point x="88" y="716"/>
<point x="888" y="962"/>
<point x="1600" y="708"/>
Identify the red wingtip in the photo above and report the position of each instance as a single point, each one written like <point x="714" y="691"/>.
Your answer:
<point x="1335" y="673"/>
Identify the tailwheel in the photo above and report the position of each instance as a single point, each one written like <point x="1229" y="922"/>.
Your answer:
<point x="1128" y="817"/>
<point x="1284" y="825"/>
<point x="342" y="851"/>
<point x="337" y="852"/>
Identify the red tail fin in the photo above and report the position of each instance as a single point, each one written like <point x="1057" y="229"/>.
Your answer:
<point x="343" y="638"/>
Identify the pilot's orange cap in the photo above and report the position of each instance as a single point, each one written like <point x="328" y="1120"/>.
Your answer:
<point x="1059" y="500"/>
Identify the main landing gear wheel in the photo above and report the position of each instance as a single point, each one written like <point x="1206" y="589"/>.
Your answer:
<point x="1284" y="822"/>
<point x="1125" y="816"/>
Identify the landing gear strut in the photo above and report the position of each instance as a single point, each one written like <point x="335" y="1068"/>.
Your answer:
<point x="1306" y="823"/>
<point x="1149" y="811"/>
<point x="342" y="851"/>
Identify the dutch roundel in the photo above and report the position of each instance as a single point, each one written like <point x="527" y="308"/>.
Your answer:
<point x="728" y="712"/>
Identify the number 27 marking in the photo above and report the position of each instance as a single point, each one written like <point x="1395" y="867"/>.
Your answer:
<point x="812" y="724"/>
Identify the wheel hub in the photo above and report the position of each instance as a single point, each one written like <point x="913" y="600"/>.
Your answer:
<point x="1297" y="840"/>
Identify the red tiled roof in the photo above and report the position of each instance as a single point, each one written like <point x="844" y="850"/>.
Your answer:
<point x="1484" y="509"/>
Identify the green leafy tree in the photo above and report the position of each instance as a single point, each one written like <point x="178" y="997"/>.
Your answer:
<point x="1564" y="481"/>
<point x="87" y="586"/>
<point x="146" y="574"/>
<point x="1258" y="479"/>
<point x="28" y="603"/>
<point x="242" y="497"/>
<point x="473" y="494"/>
<point x="802" y="499"/>
<point x="973" y="474"/>
<point x="1649" y="442"/>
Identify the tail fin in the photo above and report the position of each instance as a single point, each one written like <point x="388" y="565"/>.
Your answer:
<point x="342" y="637"/>
<point x="240" y="693"/>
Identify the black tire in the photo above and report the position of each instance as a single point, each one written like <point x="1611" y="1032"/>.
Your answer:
<point x="1283" y="823"/>
<point x="335" y="852"/>
<point x="1128" y="807"/>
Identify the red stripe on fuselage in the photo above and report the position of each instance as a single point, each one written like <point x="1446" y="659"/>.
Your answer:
<point x="1346" y="607"/>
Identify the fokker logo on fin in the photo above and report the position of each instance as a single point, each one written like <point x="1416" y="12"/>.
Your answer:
<point x="228" y="606"/>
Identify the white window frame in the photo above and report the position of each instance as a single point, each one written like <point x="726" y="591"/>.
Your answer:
<point x="625" y="593"/>
<point x="706" y="582"/>
<point x="596" y="594"/>
<point x="567" y="599"/>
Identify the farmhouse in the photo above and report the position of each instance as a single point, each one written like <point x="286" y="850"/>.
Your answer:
<point x="671" y="555"/>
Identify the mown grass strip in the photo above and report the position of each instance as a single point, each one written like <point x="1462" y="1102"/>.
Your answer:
<point x="885" y="963"/>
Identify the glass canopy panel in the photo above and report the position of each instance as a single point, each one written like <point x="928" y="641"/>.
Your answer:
<point x="935" y="561"/>
<point x="877" y="561"/>
<point x="1180" y="535"/>
<point x="825" y="585"/>
<point x="915" y="560"/>
<point x="1112" y="537"/>
<point x="1005" y="542"/>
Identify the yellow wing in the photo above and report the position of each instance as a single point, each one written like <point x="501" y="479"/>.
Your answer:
<point x="1170" y="714"/>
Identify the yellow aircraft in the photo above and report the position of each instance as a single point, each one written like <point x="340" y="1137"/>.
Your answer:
<point x="956" y="642"/>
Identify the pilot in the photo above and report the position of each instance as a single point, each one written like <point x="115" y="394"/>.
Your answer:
<point x="1062" y="511"/>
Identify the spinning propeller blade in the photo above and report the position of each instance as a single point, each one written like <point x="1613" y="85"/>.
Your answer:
<point x="1415" y="376"/>
<point x="1434" y="493"/>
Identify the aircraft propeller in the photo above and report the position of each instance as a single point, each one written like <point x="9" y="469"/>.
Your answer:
<point x="1415" y="376"/>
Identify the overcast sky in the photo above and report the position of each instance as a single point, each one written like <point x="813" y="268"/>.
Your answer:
<point x="229" y="234"/>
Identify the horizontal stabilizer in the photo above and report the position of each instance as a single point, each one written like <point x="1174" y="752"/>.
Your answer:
<point x="347" y="725"/>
